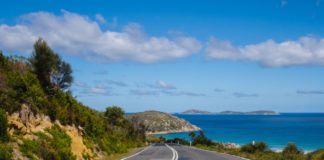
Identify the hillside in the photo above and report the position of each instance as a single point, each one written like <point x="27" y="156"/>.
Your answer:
<point x="160" y="122"/>
<point x="40" y="118"/>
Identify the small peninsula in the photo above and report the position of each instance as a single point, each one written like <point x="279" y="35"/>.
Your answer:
<point x="162" y="123"/>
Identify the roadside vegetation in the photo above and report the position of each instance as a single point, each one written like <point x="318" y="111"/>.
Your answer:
<point x="42" y="83"/>
<point x="253" y="151"/>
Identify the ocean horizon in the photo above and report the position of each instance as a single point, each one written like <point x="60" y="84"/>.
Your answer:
<point x="306" y="130"/>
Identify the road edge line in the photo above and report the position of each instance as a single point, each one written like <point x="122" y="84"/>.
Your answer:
<point x="137" y="153"/>
<point x="219" y="152"/>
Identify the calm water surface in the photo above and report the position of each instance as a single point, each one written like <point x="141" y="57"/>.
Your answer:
<point x="304" y="129"/>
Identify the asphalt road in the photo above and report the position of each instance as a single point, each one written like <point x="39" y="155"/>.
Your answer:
<point x="178" y="152"/>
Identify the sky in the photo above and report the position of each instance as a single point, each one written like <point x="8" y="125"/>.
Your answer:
<point x="174" y="55"/>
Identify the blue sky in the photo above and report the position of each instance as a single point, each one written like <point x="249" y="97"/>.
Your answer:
<point x="177" y="55"/>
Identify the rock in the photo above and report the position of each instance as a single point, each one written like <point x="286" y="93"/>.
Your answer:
<point x="27" y="123"/>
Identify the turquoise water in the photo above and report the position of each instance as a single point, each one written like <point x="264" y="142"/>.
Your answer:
<point x="304" y="129"/>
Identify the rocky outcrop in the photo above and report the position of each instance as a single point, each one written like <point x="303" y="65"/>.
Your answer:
<point x="161" y="123"/>
<point x="27" y="124"/>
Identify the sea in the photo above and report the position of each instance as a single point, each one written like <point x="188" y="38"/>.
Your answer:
<point x="306" y="130"/>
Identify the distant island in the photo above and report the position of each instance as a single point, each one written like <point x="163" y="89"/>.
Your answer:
<point x="195" y="111"/>
<point x="259" y="112"/>
<point x="162" y="123"/>
<point x="249" y="113"/>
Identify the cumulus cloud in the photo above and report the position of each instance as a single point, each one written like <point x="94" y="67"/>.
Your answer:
<point x="245" y="95"/>
<point x="80" y="35"/>
<point x="310" y="92"/>
<point x="100" y="19"/>
<point x="306" y="50"/>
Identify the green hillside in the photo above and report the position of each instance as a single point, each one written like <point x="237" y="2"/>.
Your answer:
<point x="41" y="82"/>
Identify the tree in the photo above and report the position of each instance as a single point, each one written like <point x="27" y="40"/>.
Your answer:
<point x="291" y="149"/>
<point x="115" y="115"/>
<point x="52" y="72"/>
<point x="192" y="135"/>
<point x="3" y="125"/>
<point x="254" y="147"/>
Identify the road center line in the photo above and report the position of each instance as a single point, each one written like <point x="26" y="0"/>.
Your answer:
<point x="174" y="152"/>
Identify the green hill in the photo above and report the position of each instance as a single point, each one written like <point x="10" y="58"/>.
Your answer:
<point x="160" y="122"/>
<point x="40" y="119"/>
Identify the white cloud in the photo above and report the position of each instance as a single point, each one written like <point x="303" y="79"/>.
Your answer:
<point x="305" y="50"/>
<point x="164" y="85"/>
<point x="79" y="35"/>
<point x="101" y="19"/>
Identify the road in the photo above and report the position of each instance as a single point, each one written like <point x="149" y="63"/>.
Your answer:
<point x="178" y="152"/>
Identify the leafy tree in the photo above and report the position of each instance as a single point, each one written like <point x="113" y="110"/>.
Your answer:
<point x="254" y="147"/>
<point x="115" y="115"/>
<point x="291" y="149"/>
<point x="3" y="125"/>
<point x="192" y="135"/>
<point x="200" y="139"/>
<point x="52" y="72"/>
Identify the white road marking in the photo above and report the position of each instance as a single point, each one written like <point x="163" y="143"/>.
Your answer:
<point x="174" y="152"/>
<point x="136" y="153"/>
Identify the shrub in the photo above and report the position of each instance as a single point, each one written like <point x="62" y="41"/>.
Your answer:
<point x="56" y="146"/>
<point x="254" y="147"/>
<point x="5" y="151"/>
<point x="200" y="139"/>
<point x="3" y="125"/>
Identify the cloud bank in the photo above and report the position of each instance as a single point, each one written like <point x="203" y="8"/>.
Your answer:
<point x="304" y="51"/>
<point x="80" y="35"/>
<point x="83" y="36"/>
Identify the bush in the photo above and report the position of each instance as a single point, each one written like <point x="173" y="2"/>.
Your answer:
<point x="178" y="141"/>
<point x="254" y="147"/>
<point x="200" y="139"/>
<point x="5" y="151"/>
<point x="56" y="146"/>
<point x="3" y="125"/>
<point x="291" y="149"/>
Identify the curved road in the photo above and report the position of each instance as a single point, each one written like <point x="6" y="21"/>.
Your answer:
<point x="178" y="152"/>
